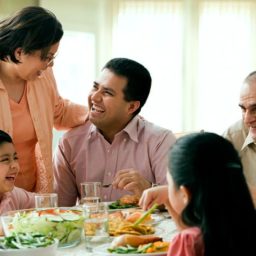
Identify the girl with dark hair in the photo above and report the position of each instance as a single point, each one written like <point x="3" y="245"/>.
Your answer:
<point x="30" y="105"/>
<point x="207" y="197"/>
<point x="11" y="198"/>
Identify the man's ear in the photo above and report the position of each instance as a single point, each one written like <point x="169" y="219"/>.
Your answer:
<point x="186" y="195"/>
<point x="133" y="106"/>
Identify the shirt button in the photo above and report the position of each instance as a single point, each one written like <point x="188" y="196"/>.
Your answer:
<point x="109" y="173"/>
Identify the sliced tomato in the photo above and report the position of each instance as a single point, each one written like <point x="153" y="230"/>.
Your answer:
<point x="47" y="211"/>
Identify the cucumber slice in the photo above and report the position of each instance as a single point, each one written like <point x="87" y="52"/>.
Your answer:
<point x="53" y="218"/>
<point x="70" y="216"/>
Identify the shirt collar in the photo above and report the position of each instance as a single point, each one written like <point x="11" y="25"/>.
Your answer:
<point x="248" y="140"/>
<point x="131" y="129"/>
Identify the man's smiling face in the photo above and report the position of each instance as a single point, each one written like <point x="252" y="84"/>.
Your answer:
<point x="248" y="106"/>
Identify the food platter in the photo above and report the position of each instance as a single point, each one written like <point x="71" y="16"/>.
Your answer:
<point x="103" y="250"/>
<point x="49" y="250"/>
<point x="65" y="224"/>
<point x="156" y="218"/>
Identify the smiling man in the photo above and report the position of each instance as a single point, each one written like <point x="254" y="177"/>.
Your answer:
<point x="243" y="133"/>
<point x="115" y="146"/>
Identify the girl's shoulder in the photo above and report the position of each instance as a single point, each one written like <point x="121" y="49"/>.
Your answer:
<point x="191" y="231"/>
<point x="188" y="242"/>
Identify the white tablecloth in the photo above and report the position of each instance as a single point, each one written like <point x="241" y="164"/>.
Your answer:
<point x="166" y="228"/>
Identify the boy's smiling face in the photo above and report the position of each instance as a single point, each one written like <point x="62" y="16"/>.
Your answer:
<point x="9" y="167"/>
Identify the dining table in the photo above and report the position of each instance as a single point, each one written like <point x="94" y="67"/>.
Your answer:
<point x="165" y="228"/>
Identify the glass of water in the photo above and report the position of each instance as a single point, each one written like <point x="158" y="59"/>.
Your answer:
<point x="90" y="192"/>
<point x="47" y="200"/>
<point x="95" y="225"/>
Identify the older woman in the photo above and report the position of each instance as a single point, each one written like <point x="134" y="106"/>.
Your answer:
<point x="30" y="105"/>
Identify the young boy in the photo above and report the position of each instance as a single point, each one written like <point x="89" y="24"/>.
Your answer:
<point x="11" y="197"/>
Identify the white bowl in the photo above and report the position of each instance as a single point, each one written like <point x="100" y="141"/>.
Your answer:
<point x="50" y="250"/>
<point x="68" y="231"/>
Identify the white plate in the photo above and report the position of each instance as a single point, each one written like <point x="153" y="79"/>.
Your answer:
<point x="50" y="250"/>
<point x="103" y="250"/>
<point x="156" y="218"/>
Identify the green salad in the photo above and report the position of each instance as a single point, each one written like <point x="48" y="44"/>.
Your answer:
<point x="65" y="225"/>
<point x="128" y="249"/>
<point x="23" y="241"/>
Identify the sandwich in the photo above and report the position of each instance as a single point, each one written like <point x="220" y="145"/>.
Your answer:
<point x="133" y="240"/>
<point x="130" y="200"/>
<point x="126" y="201"/>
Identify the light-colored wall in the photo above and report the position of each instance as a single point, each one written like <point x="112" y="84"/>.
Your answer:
<point x="9" y="6"/>
<point x="78" y="15"/>
<point x="92" y="16"/>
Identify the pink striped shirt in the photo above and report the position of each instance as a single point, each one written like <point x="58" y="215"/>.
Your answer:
<point x="84" y="155"/>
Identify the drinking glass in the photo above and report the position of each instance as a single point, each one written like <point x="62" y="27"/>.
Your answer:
<point x="95" y="225"/>
<point x="47" y="200"/>
<point x="90" y="192"/>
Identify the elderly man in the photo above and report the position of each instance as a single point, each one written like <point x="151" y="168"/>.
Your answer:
<point x="115" y="146"/>
<point x="243" y="133"/>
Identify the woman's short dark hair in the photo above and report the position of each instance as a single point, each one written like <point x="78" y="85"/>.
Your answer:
<point x="5" y="137"/>
<point x="138" y="79"/>
<point x="32" y="28"/>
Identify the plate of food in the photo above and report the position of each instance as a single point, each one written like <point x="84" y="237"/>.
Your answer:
<point x="65" y="224"/>
<point x="133" y="245"/>
<point x="132" y="215"/>
<point x="21" y="244"/>
<point x="121" y="223"/>
<point x="125" y="202"/>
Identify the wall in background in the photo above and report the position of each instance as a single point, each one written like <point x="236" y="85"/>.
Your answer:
<point x="9" y="6"/>
<point x="198" y="59"/>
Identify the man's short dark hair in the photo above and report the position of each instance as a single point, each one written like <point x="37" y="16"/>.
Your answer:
<point x="138" y="79"/>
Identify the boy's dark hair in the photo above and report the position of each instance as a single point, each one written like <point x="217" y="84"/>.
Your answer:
<point x="138" y="79"/>
<point x="32" y="28"/>
<point x="5" y="137"/>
